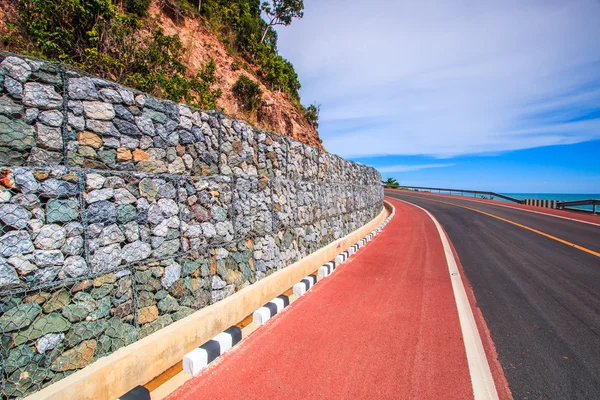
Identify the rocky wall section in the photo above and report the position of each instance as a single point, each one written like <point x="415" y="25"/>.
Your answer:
<point x="121" y="213"/>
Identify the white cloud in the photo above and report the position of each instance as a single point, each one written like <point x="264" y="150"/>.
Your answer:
<point x="448" y="78"/>
<point x="411" y="168"/>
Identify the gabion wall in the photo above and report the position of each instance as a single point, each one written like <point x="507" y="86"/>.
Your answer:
<point x="121" y="213"/>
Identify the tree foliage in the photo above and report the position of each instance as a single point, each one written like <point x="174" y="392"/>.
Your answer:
<point x="112" y="39"/>
<point x="247" y="92"/>
<point x="282" y="12"/>
<point x="240" y="26"/>
<point x="311" y="113"/>
<point x="390" y="183"/>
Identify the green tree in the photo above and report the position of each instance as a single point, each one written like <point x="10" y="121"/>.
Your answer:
<point x="281" y="12"/>
<point x="247" y="92"/>
<point x="390" y="183"/>
<point x="312" y="115"/>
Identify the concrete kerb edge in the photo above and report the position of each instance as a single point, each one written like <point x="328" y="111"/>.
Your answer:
<point x="112" y="376"/>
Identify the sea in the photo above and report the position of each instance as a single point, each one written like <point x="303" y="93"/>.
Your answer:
<point x="556" y="196"/>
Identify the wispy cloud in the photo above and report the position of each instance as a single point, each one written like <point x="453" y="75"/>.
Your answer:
<point x="411" y="168"/>
<point x="449" y="78"/>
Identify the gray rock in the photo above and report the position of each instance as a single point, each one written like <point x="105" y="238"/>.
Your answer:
<point x="57" y="188"/>
<point x="131" y="230"/>
<point x="111" y="234"/>
<point x="126" y="96"/>
<point x="46" y="274"/>
<point x="106" y="258"/>
<point x="28" y="200"/>
<point x="75" y="266"/>
<point x="98" y="110"/>
<point x="76" y="122"/>
<point x="130" y="143"/>
<point x="23" y="263"/>
<point x="31" y="115"/>
<point x="124" y="196"/>
<point x="50" y="237"/>
<point x="73" y="246"/>
<point x="123" y="113"/>
<point x="8" y="275"/>
<point x="110" y="95"/>
<point x="16" y="68"/>
<point x="16" y="134"/>
<point x="101" y="127"/>
<point x="9" y="108"/>
<point x="208" y="229"/>
<point x="48" y="258"/>
<point x="61" y="210"/>
<point x="224" y="229"/>
<point x="167" y="248"/>
<point x="102" y="211"/>
<point x="145" y="125"/>
<point x="43" y="158"/>
<point x="136" y="251"/>
<point x="14" y="215"/>
<point x="74" y="229"/>
<point x="99" y="195"/>
<point x="168" y="207"/>
<point x="51" y="118"/>
<point x="41" y="96"/>
<point x="15" y="243"/>
<point x="217" y="283"/>
<point x="75" y="106"/>
<point x="48" y="137"/>
<point x="14" y="87"/>
<point x="126" y="127"/>
<point x="82" y="89"/>
<point x="49" y="342"/>
<point x="94" y="181"/>
<point x="172" y="273"/>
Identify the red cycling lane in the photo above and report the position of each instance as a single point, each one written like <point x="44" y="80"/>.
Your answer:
<point x="384" y="325"/>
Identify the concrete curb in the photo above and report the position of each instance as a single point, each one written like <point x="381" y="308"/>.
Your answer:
<point x="304" y="285"/>
<point x="198" y="359"/>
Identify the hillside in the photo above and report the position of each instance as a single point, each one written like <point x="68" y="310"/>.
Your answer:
<point x="177" y="55"/>
<point x="275" y="112"/>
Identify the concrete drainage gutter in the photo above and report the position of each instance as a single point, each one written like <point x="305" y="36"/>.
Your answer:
<point x="122" y="374"/>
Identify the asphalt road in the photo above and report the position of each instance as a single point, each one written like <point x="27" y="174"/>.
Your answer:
<point x="540" y="298"/>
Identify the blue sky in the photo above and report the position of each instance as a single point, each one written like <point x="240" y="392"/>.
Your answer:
<point x="481" y="94"/>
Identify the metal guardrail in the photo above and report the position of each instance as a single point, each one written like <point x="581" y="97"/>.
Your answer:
<point x="565" y="205"/>
<point x="474" y="192"/>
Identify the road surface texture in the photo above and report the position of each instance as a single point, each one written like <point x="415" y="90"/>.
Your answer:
<point x="383" y="326"/>
<point x="539" y="295"/>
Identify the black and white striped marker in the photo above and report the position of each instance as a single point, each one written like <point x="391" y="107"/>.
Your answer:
<point x="304" y="285"/>
<point x="327" y="269"/>
<point x="196" y="360"/>
<point x="269" y="310"/>
<point x="137" y="393"/>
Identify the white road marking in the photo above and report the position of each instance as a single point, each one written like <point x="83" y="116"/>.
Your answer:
<point x="484" y="387"/>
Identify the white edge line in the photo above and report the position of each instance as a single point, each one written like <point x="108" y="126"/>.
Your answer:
<point x="479" y="368"/>
<point x="518" y="209"/>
